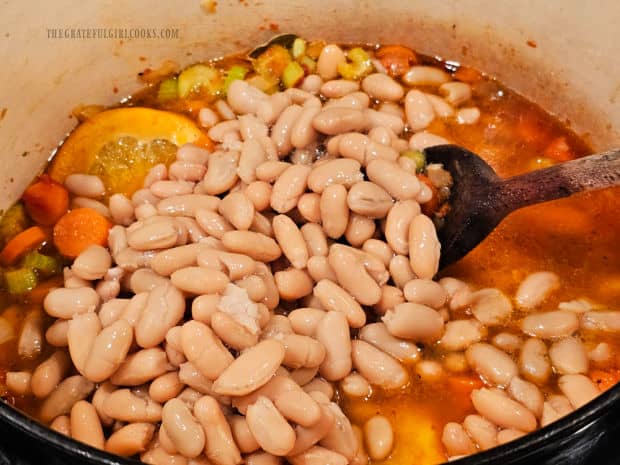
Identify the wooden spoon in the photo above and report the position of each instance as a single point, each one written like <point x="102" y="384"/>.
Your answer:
<point x="479" y="199"/>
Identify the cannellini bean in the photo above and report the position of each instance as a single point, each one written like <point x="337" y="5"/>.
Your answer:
<point x="378" y="335"/>
<point x="252" y="155"/>
<point x="390" y="297"/>
<point x="183" y="430"/>
<point x="535" y="288"/>
<point x="269" y="427"/>
<point x="329" y="59"/>
<point x="289" y="187"/>
<point x="302" y="351"/>
<point x="250" y="370"/>
<point x="85" y="185"/>
<point x="335" y="298"/>
<point x="355" y="385"/>
<point x="415" y="322"/>
<point x="354" y="278"/>
<point x="378" y="249"/>
<point x="528" y="394"/>
<point x="141" y="367"/>
<point x="131" y="439"/>
<point x="338" y="88"/>
<point x="306" y="437"/>
<point x="455" y="93"/>
<point x="291" y="240"/>
<point x="297" y="406"/>
<point x="555" y="408"/>
<point x="333" y="332"/>
<point x="380" y="119"/>
<point x="19" y="382"/>
<point x="157" y="455"/>
<point x="382" y="87"/>
<point x="309" y="207"/>
<point x="85" y="425"/>
<point x="579" y="389"/>
<point x="319" y="269"/>
<point x="312" y="83"/>
<point x="318" y="455"/>
<point x="603" y="321"/>
<point x="164" y="309"/>
<point x="56" y="334"/>
<point x="293" y="283"/>
<point x="425" y="76"/>
<point x="601" y="355"/>
<point x="165" y="387"/>
<point x="186" y="171"/>
<point x="169" y="188"/>
<point x="305" y="320"/>
<point x="237" y="209"/>
<point x="508" y="435"/>
<point x="423" y="139"/>
<point x="92" y="263"/>
<point x="378" y="367"/>
<point x="442" y="108"/>
<point x="324" y="388"/>
<point x="161" y="233"/>
<point x="352" y="101"/>
<point x="534" y="362"/>
<point x="397" y="182"/>
<point x="424" y="247"/>
<point x="204" y="349"/>
<point x="187" y="205"/>
<point x="507" y="342"/>
<point x="568" y="356"/>
<point x="62" y="425"/>
<point x="220" y="446"/>
<point x="456" y="441"/>
<point x="124" y="405"/>
<point x="469" y="115"/>
<point x="490" y="306"/>
<point x="369" y="199"/>
<point x="460" y="334"/>
<point x="198" y="280"/>
<point x="259" y="192"/>
<point x="30" y="341"/>
<point x="263" y="458"/>
<point x="398" y="224"/>
<point x="213" y="223"/>
<point x="221" y="173"/>
<point x="244" y="98"/>
<point x="425" y="292"/>
<point x="337" y="120"/>
<point x="340" y="438"/>
<point x="282" y="130"/>
<point x="503" y="411"/>
<point x="64" y="396"/>
<point x="256" y="245"/>
<point x="334" y="210"/>
<point x="64" y="303"/>
<point x="353" y="145"/>
<point x="481" y="430"/>
<point x="492" y="364"/>
<point x="550" y="325"/>
<point x="379" y="437"/>
<point x="418" y="110"/>
<point x="242" y="435"/>
<point x="339" y="171"/>
<point x="316" y="241"/>
<point x="302" y="132"/>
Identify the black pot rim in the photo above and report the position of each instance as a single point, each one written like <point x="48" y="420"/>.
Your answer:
<point x="532" y="444"/>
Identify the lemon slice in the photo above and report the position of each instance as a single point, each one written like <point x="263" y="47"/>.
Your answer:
<point x="122" y="145"/>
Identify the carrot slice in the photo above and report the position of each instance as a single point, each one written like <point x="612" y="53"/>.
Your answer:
<point x="23" y="242"/>
<point x="396" y="59"/>
<point x="79" y="229"/>
<point x="46" y="201"/>
<point x="605" y="379"/>
<point x="559" y="150"/>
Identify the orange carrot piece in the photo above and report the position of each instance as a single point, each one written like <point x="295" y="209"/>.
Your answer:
<point x="605" y="379"/>
<point x="46" y="201"/>
<point x="396" y="59"/>
<point x="79" y="229"/>
<point x="467" y="74"/>
<point x="559" y="150"/>
<point x="464" y="384"/>
<point x="24" y="242"/>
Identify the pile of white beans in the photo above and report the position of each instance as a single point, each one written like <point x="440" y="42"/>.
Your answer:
<point x="256" y="280"/>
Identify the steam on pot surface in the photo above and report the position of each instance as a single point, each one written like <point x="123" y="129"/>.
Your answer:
<point x="242" y="265"/>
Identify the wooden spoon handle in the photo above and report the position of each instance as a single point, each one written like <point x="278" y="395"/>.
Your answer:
<point x="584" y="174"/>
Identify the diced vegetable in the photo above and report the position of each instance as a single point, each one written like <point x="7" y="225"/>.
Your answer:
<point x="46" y="201"/>
<point x="168" y="90"/>
<point x="271" y="64"/>
<point x="396" y="59"/>
<point x="298" y="49"/>
<point x="429" y="208"/>
<point x="198" y="79"/>
<point x="79" y="229"/>
<point x="605" y="379"/>
<point x="235" y="73"/>
<point x="21" y="244"/>
<point x="308" y="64"/>
<point x="418" y="157"/>
<point x="314" y="48"/>
<point x="20" y="281"/>
<point x="44" y="264"/>
<point x="13" y="222"/>
<point x="293" y="74"/>
<point x="359" y="66"/>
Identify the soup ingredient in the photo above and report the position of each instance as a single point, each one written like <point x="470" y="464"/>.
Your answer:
<point x="79" y="229"/>
<point x="21" y="244"/>
<point x="396" y="59"/>
<point x="122" y="145"/>
<point x="46" y="201"/>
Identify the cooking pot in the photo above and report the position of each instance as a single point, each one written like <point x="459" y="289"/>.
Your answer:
<point x="58" y="55"/>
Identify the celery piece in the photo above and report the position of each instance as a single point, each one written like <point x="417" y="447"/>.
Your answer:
<point x="308" y="64"/>
<point x="13" y="222"/>
<point x="293" y="74"/>
<point x="298" y="49"/>
<point x="418" y="157"/>
<point x="360" y="64"/>
<point x="45" y="264"/>
<point x="199" y="78"/>
<point x="168" y="90"/>
<point x="20" y="281"/>
<point x="234" y="73"/>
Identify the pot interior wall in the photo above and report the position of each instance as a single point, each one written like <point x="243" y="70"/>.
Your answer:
<point x="544" y="50"/>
